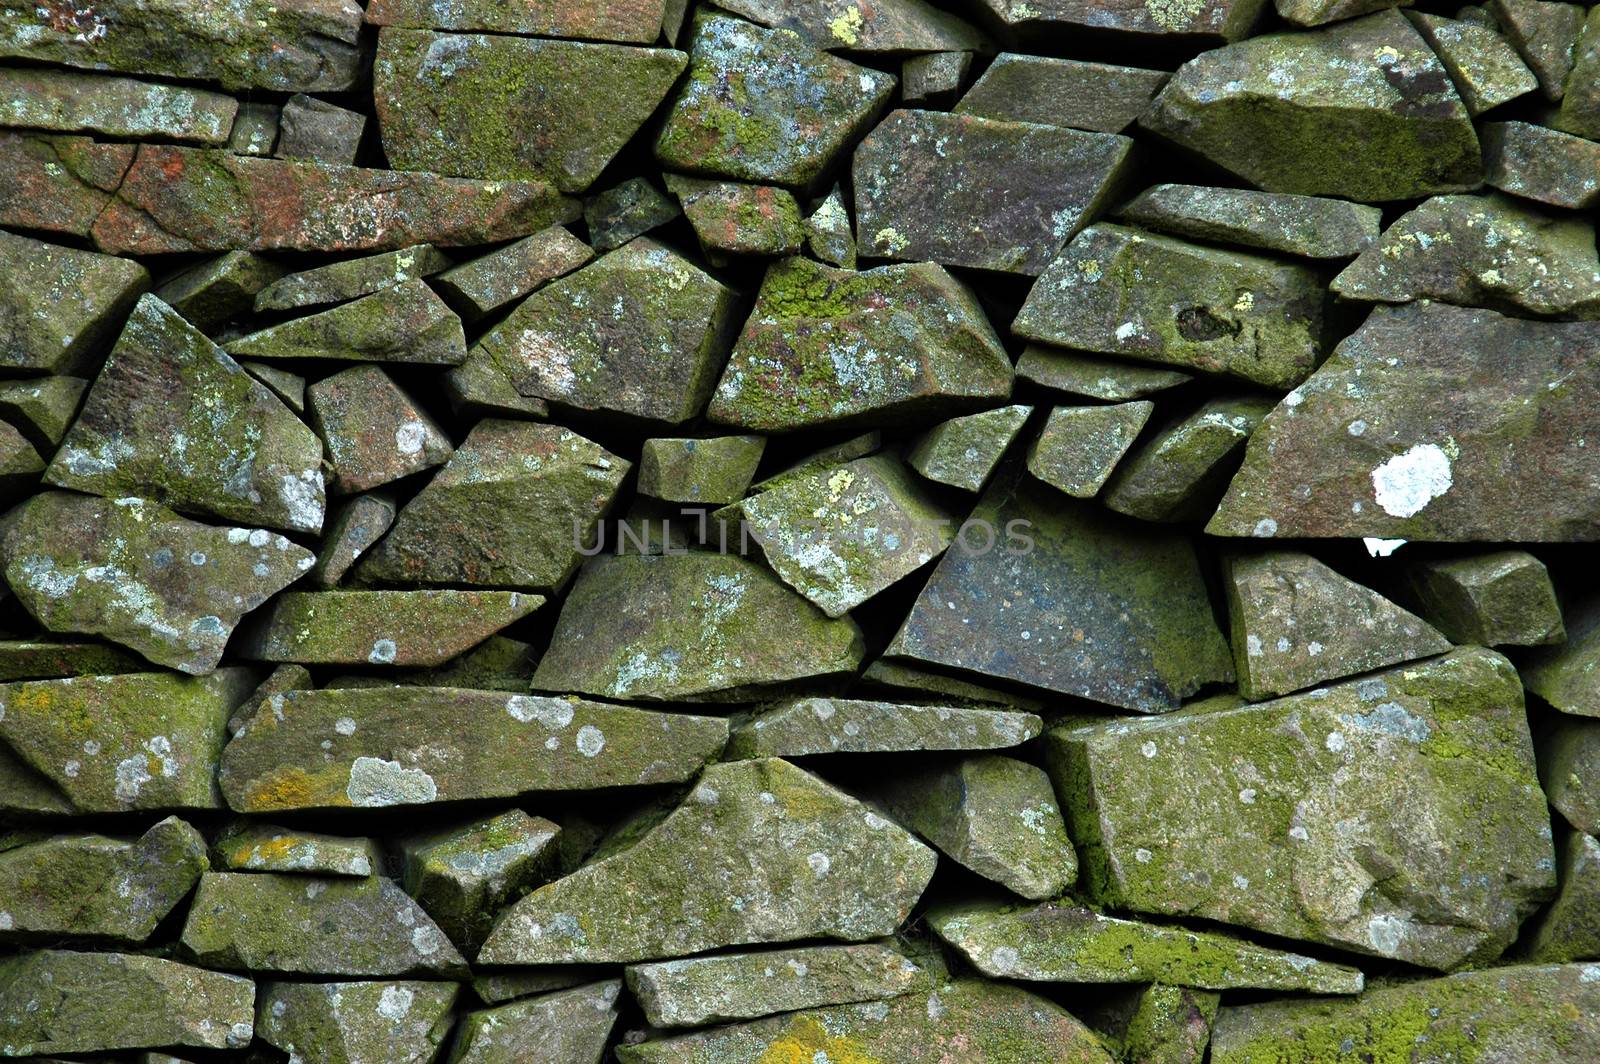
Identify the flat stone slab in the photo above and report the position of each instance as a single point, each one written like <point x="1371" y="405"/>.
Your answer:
<point x="636" y="21"/>
<point x="1062" y="92"/>
<point x="397" y="628"/>
<point x="1541" y="164"/>
<point x="1307" y="226"/>
<point x="70" y="102"/>
<point x="251" y="846"/>
<point x="340" y="282"/>
<point x="800" y="726"/>
<point x="358" y="1023"/>
<point x="892" y="28"/>
<point x="1182" y="471"/>
<point x="569" y="1027"/>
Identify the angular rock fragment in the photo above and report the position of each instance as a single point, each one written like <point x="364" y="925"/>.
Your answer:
<point x="386" y="748"/>
<point x="916" y="198"/>
<point x="742" y="986"/>
<point x="969" y="1019"/>
<point x="1117" y="291"/>
<point x="1307" y="226"/>
<point x="1565" y="675"/>
<point x="1536" y="1014"/>
<point x="375" y="433"/>
<point x="1324" y="813"/>
<point x="357" y="1023"/>
<point x="214" y="291"/>
<point x="1111" y="379"/>
<point x="1499" y="599"/>
<point x="173" y="418"/>
<point x="39" y="660"/>
<point x="895" y="27"/>
<point x="92" y="885"/>
<point x="357" y="525"/>
<point x="1486" y="251"/>
<point x="1485" y="68"/>
<point x="1569" y="766"/>
<point x="639" y="332"/>
<point x="486" y="284"/>
<point x="1579" y="113"/>
<point x="1080" y="445"/>
<point x="105" y="1001"/>
<point x="445" y="101"/>
<point x="1546" y="33"/>
<point x="825" y="458"/>
<point x="829" y="236"/>
<point x="514" y="507"/>
<point x="992" y="814"/>
<point x="194" y="199"/>
<point x="907" y="681"/>
<point x="397" y="628"/>
<point x="42" y="408"/>
<point x="508" y="984"/>
<point x="309" y="46"/>
<point x="1184" y="468"/>
<point x="1159" y="1024"/>
<point x="266" y="922"/>
<point x="934" y="78"/>
<point x="309" y="128"/>
<point x="635" y="21"/>
<point x="1409" y="453"/>
<point x="842" y="535"/>
<point x="290" y="387"/>
<point x="280" y="679"/>
<point x="570" y="1027"/>
<point x="1068" y="943"/>
<point x="140" y="575"/>
<point x="463" y="876"/>
<point x="826" y="347"/>
<point x="1321" y="12"/>
<point x="1071" y="600"/>
<point x="341" y="282"/>
<point x="122" y="108"/>
<point x="735" y="219"/>
<point x="255" y="130"/>
<point x="1541" y="164"/>
<point x="625" y="211"/>
<point x="963" y="451"/>
<point x="133" y="741"/>
<point x="774" y="854"/>
<point x="1062" y="92"/>
<point x="707" y="472"/>
<point x="58" y="184"/>
<point x="403" y="323"/>
<point x="1569" y="930"/>
<point x="58" y="305"/>
<point x="800" y="726"/>
<point x="1296" y="623"/>
<point x="251" y="846"/>
<point x="20" y="464"/>
<point x="686" y="626"/>
<point x="1196" y="24"/>
<point x="1313" y="113"/>
<point x="762" y="105"/>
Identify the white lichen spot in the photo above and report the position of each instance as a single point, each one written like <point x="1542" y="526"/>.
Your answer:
<point x="1408" y="482"/>
<point x="1265" y="528"/>
<point x="376" y="782"/>
<point x="410" y="436"/>
<point x="345" y="726"/>
<point x="551" y="712"/>
<point x="1004" y="960"/>
<point x="819" y="864"/>
<point x="591" y="740"/>
<point x="395" y="1002"/>
<point x="1148" y="748"/>
<point x="383" y="652"/>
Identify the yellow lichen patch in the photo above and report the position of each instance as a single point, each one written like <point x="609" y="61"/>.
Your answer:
<point x="1174" y="14"/>
<point x="807" y="1042"/>
<point x="293" y="788"/>
<point x="847" y="27"/>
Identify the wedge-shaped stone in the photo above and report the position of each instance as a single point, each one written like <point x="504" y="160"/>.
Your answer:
<point x="1307" y="226"/>
<point x="308" y="46"/>
<point x="104" y="1001"/>
<point x="829" y="236"/>
<point x="1072" y="600"/>
<point x="195" y="199"/>
<point x="173" y="418"/>
<point x="386" y="747"/>
<point x="1546" y="35"/>
<point x="464" y="875"/>
<point x="797" y="727"/>
<point x="1111" y="379"/>
<point x="264" y="922"/>
<point x="1569" y="765"/>
<point x="640" y="331"/>
<point x="1062" y="92"/>
<point x="514" y="507"/>
<point x="1485" y="68"/>
<point x="314" y="129"/>
<point x="1066" y="943"/>
<point x="445" y="101"/>
<point x="354" y="527"/>
<point x="404" y="323"/>
<point x="251" y="846"/>
<point x="731" y="218"/>
<point x="375" y="432"/>
<point x="835" y="347"/>
<point x="340" y="282"/>
<point x="1296" y="623"/>
<point x="917" y="199"/>
<point x="1384" y="441"/>
<point x="1533" y="1015"/>
<point x="992" y="814"/>
<point x="1322" y="816"/>
<point x="135" y="741"/>
<point x="24" y="790"/>
<point x="570" y="1027"/>
<point x="637" y="21"/>
<point x="1158" y="1024"/>
<point x="1362" y="110"/>
<point x="1181" y="473"/>
<point x="1481" y="251"/>
<point x="114" y="107"/>
<point x="696" y="471"/>
<point x="28" y="659"/>
<point x="92" y="885"/>
<point x="743" y="986"/>
<point x="1194" y="23"/>
<point x="686" y="626"/>
<point x="842" y="535"/>
<point x="616" y="215"/>
<point x="381" y="627"/>
<point x="508" y="984"/>
<point x="892" y="28"/>
<point x="1118" y="291"/>
<point x="42" y="408"/>
<point x="1080" y="445"/>
<point x="1568" y="675"/>
<point x="1500" y="599"/>
<point x="58" y="306"/>
<point x="1569" y="930"/>
<point x="1542" y="164"/>
<point x="212" y="292"/>
<point x="20" y="464"/>
<point x="485" y="284"/>
<point x="1321" y="12"/>
<point x="763" y="105"/>
<point x="357" y="1023"/>
<point x="963" y="451"/>
<point x="969" y="1020"/>
<point x="1579" y="113"/>
<point x="140" y="575"/>
<point x="759" y="851"/>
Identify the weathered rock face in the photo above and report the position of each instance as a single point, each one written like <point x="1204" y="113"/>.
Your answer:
<point x="735" y="219"/>
<point x="250" y="846"/>
<point x="800" y="726"/>
<point x="1080" y="445"/>
<point x="1307" y="226"/>
<point x="1062" y="92"/>
<point x="464" y="875"/>
<point x="848" y="26"/>
<point x="1182" y="471"/>
<point x="963" y="451"/>
<point x="385" y="748"/>
<point x="1408" y="453"/>
<point x="806" y="862"/>
<point x="357" y="1023"/>
<point x="381" y="627"/>
<point x="1541" y="164"/>
<point x="1321" y="811"/>
<point x="1570" y="929"/>
<point x="569" y="1027"/>
<point x="403" y="323"/>
<point x="614" y="20"/>
<point x="1361" y="109"/>
<point x="490" y="282"/>
<point x="116" y="107"/>
<point x="340" y="282"/>
<point x="58" y="305"/>
<point x="1564" y="675"/>
<point x="1497" y="599"/>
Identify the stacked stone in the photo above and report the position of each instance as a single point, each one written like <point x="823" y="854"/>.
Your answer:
<point x="678" y="533"/>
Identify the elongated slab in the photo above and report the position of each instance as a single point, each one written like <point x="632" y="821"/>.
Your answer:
<point x="381" y="627"/>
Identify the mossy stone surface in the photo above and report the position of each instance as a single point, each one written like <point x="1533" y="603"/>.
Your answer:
<point x="38" y="659"/>
<point x="1503" y="598"/>
<point x="568" y="1027"/>
<point x="1541" y="164"/>
<point x="618" y="214"/>
<point x="1079" y="446"/>
<point x="1170" y="1025"/>
<point x="797" y="727"/>
<point x="124" y="108"/>
<point x="1569" y="768"/>
<point x="375" y="433"/>
<point x="253" y="846"/>
<point x="58" y="184"/>
<point x="1569" y="930"/>
<point x="704" y="471"/>
<point x="341" y="282"/>
<point x="963" y="451"/>
<point x="59" y="305"/>
<point x="1094" y="377"/>
<point x="464" y="875"/>
<point x="830" y="237"/>
<point x="851" y="26"/>
<point x="354" y="527"/>
<point x="1311" y="227"/>
<point x="731" y="218"/>
<point x="1485" y="68"/>
<point x="218" y="289"/>
<point x="633" y="21"/>
<point x="382" y="628"/>
<point x="1062" y="92"/>
<point x="1546" y="36"/>
<point x="489" y="282"/>
<point x="406" y="322"/>
<point x="1579" y="113"/>
<point x="367" y="1022"/>
<point x="1181" y="473"/>
<point x="42" y="409"/>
